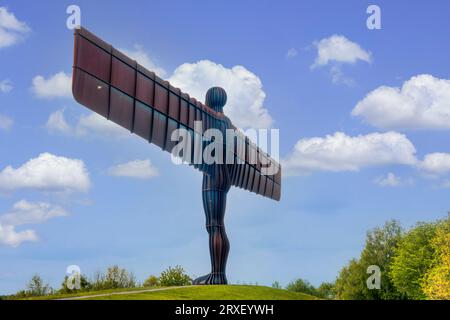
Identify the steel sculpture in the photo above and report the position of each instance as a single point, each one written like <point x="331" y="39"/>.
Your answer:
<point x="118" y="88"/>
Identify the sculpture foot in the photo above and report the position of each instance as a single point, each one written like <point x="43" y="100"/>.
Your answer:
<point x="211" y="278"/>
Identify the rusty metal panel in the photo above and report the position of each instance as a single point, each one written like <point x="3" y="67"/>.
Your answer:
<point x="145" y="89"/>
<point x="191" y="116"/>
<point x="161" y="99"/>
<point x="90" y="92"/>
<point x="251" y="177"/>
<point x="123" y="76"/>
<point x="142" y="120"/>
<point x="269" y="188"/>
<point x="262" y="185"/>
<point x="276" y="195"/>
<point x="159" y="129"/>
<point x="255" y="186"/>
<point x="172" y="125"/>
<point x="92" y="59"/>
<point x="174" y="106"/>
<point x="184" y="112"/>
<point x="121" y="109"/>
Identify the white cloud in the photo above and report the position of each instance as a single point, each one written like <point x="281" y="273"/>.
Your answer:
<point x="138" y="54"/>
<point x="392" y="180"/>
<point x="436" y="164"/>
<point x="142" y="169"/>
<point x="9" y="236"/>
<point x="291" y="53"/>
<point x="58" y="85"/>
<point x="244" y="90"/>
<point x="5" y="86"/>
<point x="11" y="29"/>
<point x="340" y="152"/>
<point x="57" y="123"/>
<point x="47" y="172"/>
<point x="24" y="212"/>
<point x="338" y="48"/>
<point x="91" y="124"/>
<point x="5" y="122"/>
<point x="96" y="124"/>
<point x="423" y="102"/>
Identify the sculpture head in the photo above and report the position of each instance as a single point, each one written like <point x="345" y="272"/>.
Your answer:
<point x="216" y="98"/>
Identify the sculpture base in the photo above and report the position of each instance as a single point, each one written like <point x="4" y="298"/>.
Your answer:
<point x="211" y="278"/>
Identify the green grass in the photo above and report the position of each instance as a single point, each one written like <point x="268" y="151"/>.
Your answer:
<point x="229" y="292"/>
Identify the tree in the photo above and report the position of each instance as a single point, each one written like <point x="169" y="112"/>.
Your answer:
<point x="152" y="281"/>
<point x="379" y="249"/>
<point x="85" y="285"/>
<point x="276" y="285"/>
<point x="119" y="278"/>
<point x="326" y="291"/>
<point x="37" y="287"/>
<point x="412" y="260"/>
<point x="302" y="286"/>
<point x="115" y="277"/>
<point x="350" y="284"/>
<point x="436" y="283"/>
<point x="174" y="277"/>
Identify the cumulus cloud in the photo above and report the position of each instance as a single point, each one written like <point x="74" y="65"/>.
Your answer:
<point x="138" y="53"/>
<point x="91" y="124"/>
<point x="141" y="169"/>
<point x="57" y="123"/>
<point x="338" y="48"/>
<point x="58" y="85"/>
<point x="47" y="172"/>
<point x="244" y="89"/>
<point x="5" y="86"/>
<point x="5" y="122"/>
<point x="9" y="236"/>
<point x="12" y="30"/>
<point x="340" y="152"/>
<point x="436" y="164"/>
<point x="22" y="213"/>
<point x="423" y="102"/>
<point x="392" y="180"/>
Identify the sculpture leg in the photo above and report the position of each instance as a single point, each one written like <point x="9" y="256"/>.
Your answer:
<point x="214" y="203"/>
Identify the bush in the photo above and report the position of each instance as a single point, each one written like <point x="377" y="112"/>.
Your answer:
<point x="152" y="281"/>
<point x="114" y="278"/>
<point x="174" y="277"/>
<point x="276" y="285"/>
<point x="85" y="285"/>
<point x="302" y="286"/>
<point x="36" y="287"/>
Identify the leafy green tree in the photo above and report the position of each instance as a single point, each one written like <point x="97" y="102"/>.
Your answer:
<point x="85" y="285"/>
<point x="302" y="286"/>
<point x="326" y="291"/>
<point x="174" y="277"/>
<point x="350" y="284"/>
<point x="412" y="259"/>
<point x="379" y="249"/>
<point x="151" y="281"/>
<point x="37" y="287"/>
<point x="436" y="284"/>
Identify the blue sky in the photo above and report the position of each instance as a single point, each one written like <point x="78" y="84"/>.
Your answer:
<point x="364" y="119"/>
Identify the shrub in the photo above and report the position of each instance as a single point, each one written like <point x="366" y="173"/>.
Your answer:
<point x="151" y="281"/>
<point x="174" y="277"/>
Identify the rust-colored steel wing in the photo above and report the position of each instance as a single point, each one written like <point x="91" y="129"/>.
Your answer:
<point x="118" y="88"/>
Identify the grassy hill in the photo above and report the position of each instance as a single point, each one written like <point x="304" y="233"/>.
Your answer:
<point x="228" y="292"/>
